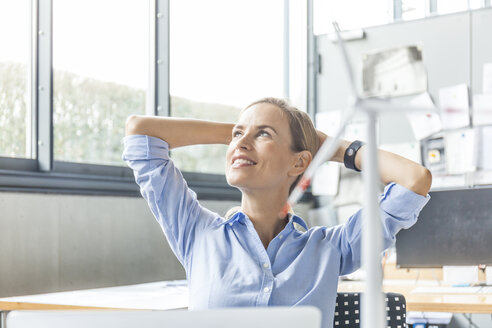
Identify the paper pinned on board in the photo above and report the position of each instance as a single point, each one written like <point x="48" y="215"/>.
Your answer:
<point x="487" y="78"/>
<point x="356" y="131"/>
<point x="326" y="179"/>
<point x="409" y="150"/>
<point x="327" y="176"/>
<point x="394" y="72"/>
<point x="424" y="124"/>
<point x="328" y="122"/>
<point x="485" y="148"/>
<point x="454" y="106"/>
<point x="460" y="151"/>
<point x="482" y="109"/>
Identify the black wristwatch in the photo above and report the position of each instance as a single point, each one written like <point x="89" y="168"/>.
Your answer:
<point x="350" y="152"/>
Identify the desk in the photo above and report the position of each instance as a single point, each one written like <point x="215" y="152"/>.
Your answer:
<point x="174" y="295"/>
<point x="165" y="295"/>
<point x="429" y="302"/>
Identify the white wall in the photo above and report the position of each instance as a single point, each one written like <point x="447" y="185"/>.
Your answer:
<point x="54" y="242"/>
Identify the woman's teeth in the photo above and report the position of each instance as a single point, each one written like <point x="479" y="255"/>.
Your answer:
<point x="241" y="161"/>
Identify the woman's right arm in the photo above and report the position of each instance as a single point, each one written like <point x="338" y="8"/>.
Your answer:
<point x="179" y="132"/>
<point x="174" y="205"/>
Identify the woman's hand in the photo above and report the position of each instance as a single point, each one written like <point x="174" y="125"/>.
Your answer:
<point x="338" y="156"/>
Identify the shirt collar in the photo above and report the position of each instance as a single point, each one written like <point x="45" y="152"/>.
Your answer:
<point x="297" y="223"/>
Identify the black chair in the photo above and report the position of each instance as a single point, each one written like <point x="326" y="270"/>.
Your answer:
<point x="347" y="310"/>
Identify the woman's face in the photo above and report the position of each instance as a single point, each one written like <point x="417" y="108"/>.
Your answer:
<point x="259" y="156"/>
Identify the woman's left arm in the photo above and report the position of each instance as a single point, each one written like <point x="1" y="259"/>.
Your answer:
<point x="392" y="168"/>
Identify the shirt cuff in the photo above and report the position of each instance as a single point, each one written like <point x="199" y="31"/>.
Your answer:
<point x="142" y="147"/>
<point x="400" y="201"/>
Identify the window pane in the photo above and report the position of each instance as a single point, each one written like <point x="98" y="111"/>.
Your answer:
<point x="414" y="9"/>
<point x="451" y="6"/>
<point x="223" y="55"/>
<point x="100" y="59"/>
<point x="15" y="125"/>
<point x="350" y="14"/>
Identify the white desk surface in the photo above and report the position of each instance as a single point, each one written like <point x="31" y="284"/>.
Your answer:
<point x="164" y="295"/>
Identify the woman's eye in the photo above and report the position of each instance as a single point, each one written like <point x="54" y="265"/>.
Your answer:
<point x="236" y="133"/>
<point x="263" y="132"/>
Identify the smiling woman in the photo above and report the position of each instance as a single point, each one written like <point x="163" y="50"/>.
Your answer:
<point x="254" y="257"/>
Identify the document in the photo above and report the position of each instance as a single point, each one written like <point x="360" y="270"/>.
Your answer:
<point x="326" y="179"/>
<point x="460" y="151"/>
<point x="394" y="72"/>
<point x="487" y="78"/>
<point x="454" y="106"/>
<point x="482" y="109"/>
<point x="329" y="122"/>
<point x="327" y="176"/>
<point x="424" y="124"/>
<point x="409" y="150"/>
<point x="484" y="147"/>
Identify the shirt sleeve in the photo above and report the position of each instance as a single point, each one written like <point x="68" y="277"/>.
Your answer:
<point x="399" y="209"/>
<point x="173" y="204"/>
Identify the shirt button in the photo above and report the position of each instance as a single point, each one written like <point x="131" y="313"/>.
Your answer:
<point x="265" y="265"/>
<point x="266" y="289"/>
<point x="280" y="236"/>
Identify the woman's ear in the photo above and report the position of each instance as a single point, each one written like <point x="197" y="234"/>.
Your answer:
<point x="302" y="161"/>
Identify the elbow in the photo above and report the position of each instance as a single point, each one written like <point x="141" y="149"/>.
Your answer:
<point x="423" y="182"/>
<point x="132" y="125"/>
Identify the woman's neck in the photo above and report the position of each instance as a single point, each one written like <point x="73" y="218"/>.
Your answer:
<point x="263" y="210"/>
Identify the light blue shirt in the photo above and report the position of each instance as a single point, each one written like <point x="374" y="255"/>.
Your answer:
<point x="226" y="263"/>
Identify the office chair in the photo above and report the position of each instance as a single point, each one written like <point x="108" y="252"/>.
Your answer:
<point x="347" y="310"/>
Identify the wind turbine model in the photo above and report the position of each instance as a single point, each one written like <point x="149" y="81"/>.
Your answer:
<point x="372" y="303"/>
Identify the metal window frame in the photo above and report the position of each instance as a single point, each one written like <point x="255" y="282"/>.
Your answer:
<point x="44" y="174"/>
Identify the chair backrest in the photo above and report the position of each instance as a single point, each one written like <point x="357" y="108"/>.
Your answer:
<point x="347" y="310"/>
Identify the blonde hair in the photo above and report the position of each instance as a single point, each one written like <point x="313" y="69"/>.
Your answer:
<point x="303" y="132"/>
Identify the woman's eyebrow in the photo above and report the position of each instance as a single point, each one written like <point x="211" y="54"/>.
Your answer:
<point x="259" y="127"/>
<point x="267" y="126"/>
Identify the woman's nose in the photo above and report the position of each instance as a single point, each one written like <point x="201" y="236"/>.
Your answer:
<point x="243" y="142"/>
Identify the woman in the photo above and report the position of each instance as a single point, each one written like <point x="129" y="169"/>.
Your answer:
<point x="255" y="258"/>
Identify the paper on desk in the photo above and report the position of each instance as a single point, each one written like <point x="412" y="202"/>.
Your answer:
<point x="460" y="151"/>
<point x="482" y="109"/>
<point x="484" y="146"/>
<point x="148" y="296"/>
<point x="432" y="318"/>
<point x="453" y="275"/>
<point x="326" y="178"/>
<point x="424" y="124"/>
<point x="454" y="105"/>
<point x="409" y="150"/>
<point x="487" y="78"/>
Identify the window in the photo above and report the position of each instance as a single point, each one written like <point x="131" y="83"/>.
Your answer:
<point x="414" y="9"/>
<point x="92" y="63"/>
<point x="223" y="56"/>
<point x="452" y="6"/>
<point x="350" y="14"/>
<point x="101" y="75"/>
<point x="15" y="118"/>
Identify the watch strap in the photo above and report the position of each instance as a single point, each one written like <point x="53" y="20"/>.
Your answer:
<point x="349" y="156"/>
